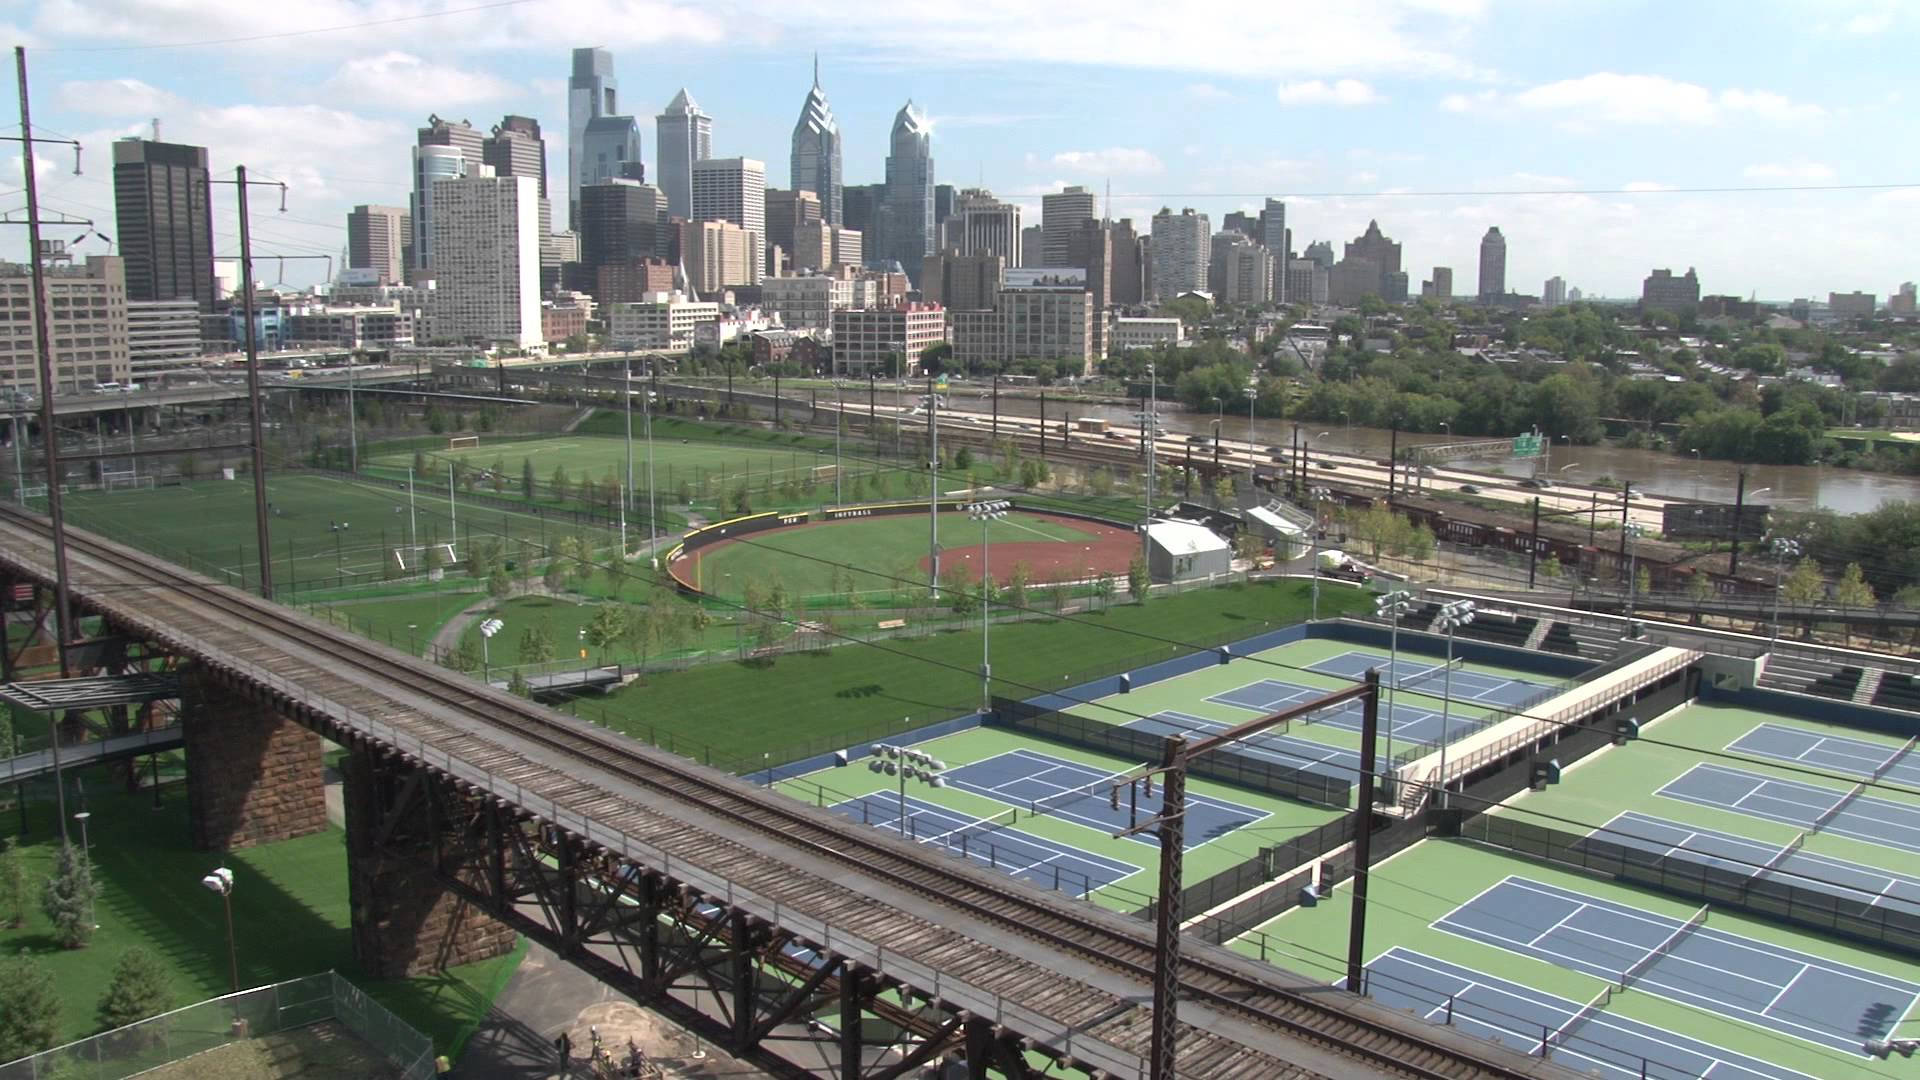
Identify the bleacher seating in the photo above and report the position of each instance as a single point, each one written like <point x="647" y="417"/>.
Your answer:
<point x="1801" y="675"/>
<point x="1560" y="639"/>
<point x="1499" y="629"/>
<point x="1898" y="691"/>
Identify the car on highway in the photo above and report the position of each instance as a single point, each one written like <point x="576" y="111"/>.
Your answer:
<point x="1328" y="465"/>
<point x="1200" y="440"/>
<point x="1469" y="489"/>
<point x="1533" y="482"/>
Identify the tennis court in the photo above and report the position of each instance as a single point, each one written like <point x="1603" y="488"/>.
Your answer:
<point x="1047" y="863"/>
<point x="1038" y="783"/>
<point x="1856" y="757"/>
<point x="1291" y="751"/>
<point x="1824" y="1002"/>
<point x="1839" y="878"/>
<point x="1475" y="686"/>
<point x="1806" y="806"/>
<point x="1411" y="723"/>
<point x="1588" y="1039"/>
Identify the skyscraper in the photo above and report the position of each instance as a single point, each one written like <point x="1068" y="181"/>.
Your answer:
<point x="787" y="212"/>
<point x="1554" y="293"/>
<point x="487" y="266"/>
<point x="161" y="207"/>
<point x="516" y="149"/>
<point x="611" y="151"/>
<point x="682" y="135"/>
<point x="1278" y="240"/>
<point x="816" y="152"/>
<point x="1493" y="264"/>
<point x="734" y="190"/>
<point x="983" y="225"/>
<point x="443" y="151"/>
<point x="377" y="240"/>
<point x="1182" y="244"/>
<point x="906" y="233"/>
<point x="1062" y="214"/>
<point x="591" y="92"/>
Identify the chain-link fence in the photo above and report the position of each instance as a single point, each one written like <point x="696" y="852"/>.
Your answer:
<point x="209" y="1025"/>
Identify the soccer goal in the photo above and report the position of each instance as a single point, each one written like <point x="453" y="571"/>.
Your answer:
<point x="411" y="560"/>
<point x="463" y="442"/>
<point x="125" y="481"/>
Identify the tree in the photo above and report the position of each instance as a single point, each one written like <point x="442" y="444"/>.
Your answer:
<point x="958" y="584"/>
<point x="1551" y="569"/>
<point x="1643" y="581"/>
<point x="1138" y="579"/>
<point x="419" y="463"/>
<point x="739" y="501"/>
<point x="1852" y="589"/>
<point x="466" y="656"/>
<point x="559" y="483"/>
<point x="29" y="1007"/>
<point x="68" y="898"/>
<point x="1223" y="488"/>
<point x="518" y="686"/>
<point x="499" y="583"/>
<point x="431" y="560"/>
<point x="1699" y="587"/>
<point x="13" y="886"/>
<point x="1015" y="594"/>
<point x="139" y="990"/>
<point x="606" y="627"/>
<point x="1247" y="547"/>
<point x="526" y="477"/>
<point x="964" y="459"/>
<point x="616" y="574"/>
<point x="536" y="644"/>
<point x="1804" y="586"/>
<point x="1103" y="588"/>
<point x="1421" y="544"/>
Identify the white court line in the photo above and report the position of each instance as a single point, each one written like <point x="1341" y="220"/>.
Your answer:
<point x="1577" y="909"/>
<point x="1783" y="990"/>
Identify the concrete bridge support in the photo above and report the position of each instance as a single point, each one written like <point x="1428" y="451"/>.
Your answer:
<point x="253" y="776"/>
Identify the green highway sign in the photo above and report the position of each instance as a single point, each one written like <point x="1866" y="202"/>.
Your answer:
<point x="1528" y="445"/>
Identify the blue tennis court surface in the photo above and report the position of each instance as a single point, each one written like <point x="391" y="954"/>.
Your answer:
<point x="1857" y="757"/>
<point x="1291" y="751"/>
<point x="1615" y="1047"/>
<point x="1428" y="678"/>
<point x="1876" y="821"/>
<point x="1411" y="723"/>
<point x="1022" y="778"/>
<point x="1047" y="863"/>
<point x="1843" y="880"/>
<point x="1821" y="1001"/>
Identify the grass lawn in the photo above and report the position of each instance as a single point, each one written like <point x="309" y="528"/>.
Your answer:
<point x="322" y="1052"/>
<point x="796" y="702"/>
<point x="809" y="560"/>
<point x="289" y="910"/>
<point x="207" y="525"/>
<point x="407" y="621"/>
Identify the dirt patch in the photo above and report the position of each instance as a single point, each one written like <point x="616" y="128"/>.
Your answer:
<point x="321" y="1052"/>
<point x="1106" y="549"/>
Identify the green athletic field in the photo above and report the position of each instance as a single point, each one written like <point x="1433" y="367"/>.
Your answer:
<point x="1409" y="892"/>
<point x="209" y="526"/>
<point x="884" y="554"/>
<point x="718" y="467"/>
<point x="1285" y="818"/>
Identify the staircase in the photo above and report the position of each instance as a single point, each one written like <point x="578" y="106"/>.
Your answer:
<point x="1538" y="635"/>
<point x="1869" y="686"/>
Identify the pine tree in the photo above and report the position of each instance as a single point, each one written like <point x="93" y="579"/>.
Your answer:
<point x="69" y="897"/>
<point x="526" y="477"/>
<point x="29" y="1007"/>
<point x="139" y="990"/>
<point x="13" y="887"/>
<point x="1138" y="579"/>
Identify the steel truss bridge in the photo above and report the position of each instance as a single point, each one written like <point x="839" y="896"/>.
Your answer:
<point x="798" y="940"/>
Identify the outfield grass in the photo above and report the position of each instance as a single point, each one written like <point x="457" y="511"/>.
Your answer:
<point x="207" y="525"/>
<point x="1284" y="818"/>
<point x="750" y="707"/>
<point x="809" y="561"/>
<point x="290" y="914"/>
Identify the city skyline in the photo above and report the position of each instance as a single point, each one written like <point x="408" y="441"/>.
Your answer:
<point x="1046" y="113"/>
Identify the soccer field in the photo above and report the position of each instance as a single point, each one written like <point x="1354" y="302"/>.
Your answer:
<point x="208" y="525"/>
<point x="596" y="457"/>
<point x="889" y="553"/>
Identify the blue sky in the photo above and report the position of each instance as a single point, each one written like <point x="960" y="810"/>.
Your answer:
<point x="1349" y="110"/>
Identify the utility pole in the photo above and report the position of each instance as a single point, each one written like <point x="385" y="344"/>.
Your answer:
<point x="255" y="417"/>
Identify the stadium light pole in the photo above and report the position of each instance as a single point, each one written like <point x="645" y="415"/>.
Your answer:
<point x="1150" y="436"/>
<point x="653" y="533"/>
<point x="1633" y="530"/>
<point x="413" y="518"/>
<point x="986" y="513"/>
<point x="932" y="401"/>
<point x="1253" y="392"/>
<point x="453" y="512"/>
<point x="915" y="764"/>
<point x="1316" y="496"/>
<point x="1452" y="617"/>
<point x="626" y="411"/>
<point x="221" y="881"/>
<point x="1393" y="605"/>
<point x="1783" y="549"/>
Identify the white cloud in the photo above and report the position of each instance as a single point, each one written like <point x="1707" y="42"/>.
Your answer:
<point x="1123" y="160"/>
<point x="1365" y="176"/>
<point x="403" y="81"/>
<point x="1611" y="98"/>
<point x="1790" y="170"/>
<point x="1866" y="23"/>
<point x="115" y="97"/>
<point x="1202" y="91"/>
<point x="1320" y="92"/>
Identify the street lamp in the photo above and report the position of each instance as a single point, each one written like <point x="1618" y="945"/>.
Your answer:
<point x="221" y="881"/>
<point x="488" y="628"/>
<point x="1316" y="495"/>
<point x="1783" y="549"/>
<point x="1253" y="393"/>
<point x="1633" y="531"/>
<point x="86" y="852"/>
<point x="1451" y="618"/>
<point x="986" y="513"/>
<point x="908" y="763"/>
<point x="1391" y="606"/>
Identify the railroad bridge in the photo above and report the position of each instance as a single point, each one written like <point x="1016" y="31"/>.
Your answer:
<point x="800" y="941"/>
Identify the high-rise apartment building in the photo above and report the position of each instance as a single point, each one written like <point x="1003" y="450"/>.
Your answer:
<point x="820" y="246"/>
<point x="816" y="152"/>
<point x="622" y="237"/>
<point x="1181" y="246"/>
<point x="1850" y="305"/>
<point x="1374" y="246"/>
<point x="876" y="340"/>
<point x="1126" y="273"/>
<point x="1278" y="240"/>
<point x="592" y="92"/>
<point x="1554" y="292"/>
<point x="983" y="225"/>
<point x="486" y="262"/>
<point x="944" y="197"/>
<point x="1902" y="301"/>
<point x="163" y="222"/>
<point x="1321" y="251"/>
<point x="1062" y="214"/>
<point x="787" y="213"/>
<point x="611" y="151"/>
<point x="1048" y="322"/>
<point x="1249" y="275"/>
<point x="515" y="148"/>
<point x="806" y="302"/>
<point x="906" y="233"/>
<point x="442" y="151"/>
<point x="1662" y="290"/>
<point x="962" y="282"/>
<point x="733" y="189"/>
<point x="719" y="255"/>
<point x="1308" y="282"/>
<point x="1031" y="246"/>
<point x="377" y="240"/>
<point x="1440" y="287"/>
<point x="87" y="324"/>
<point x="682" y="135"/>
<point x="1493" y="264"/>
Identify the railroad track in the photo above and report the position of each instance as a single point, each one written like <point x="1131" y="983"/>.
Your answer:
<point x="194" y="605"/>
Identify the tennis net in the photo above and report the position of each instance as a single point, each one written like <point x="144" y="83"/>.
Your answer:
<point x="1432" y="674"/>
<point x="1885" y="767"/>
<point x="973" y="833"/>
<point x="1047" y="804"/>
<point x="1641" y="965"/>
<point x="1833" y="811"/>
<point x="1585" y="1013"/>
<point x="1782" y="855"/>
